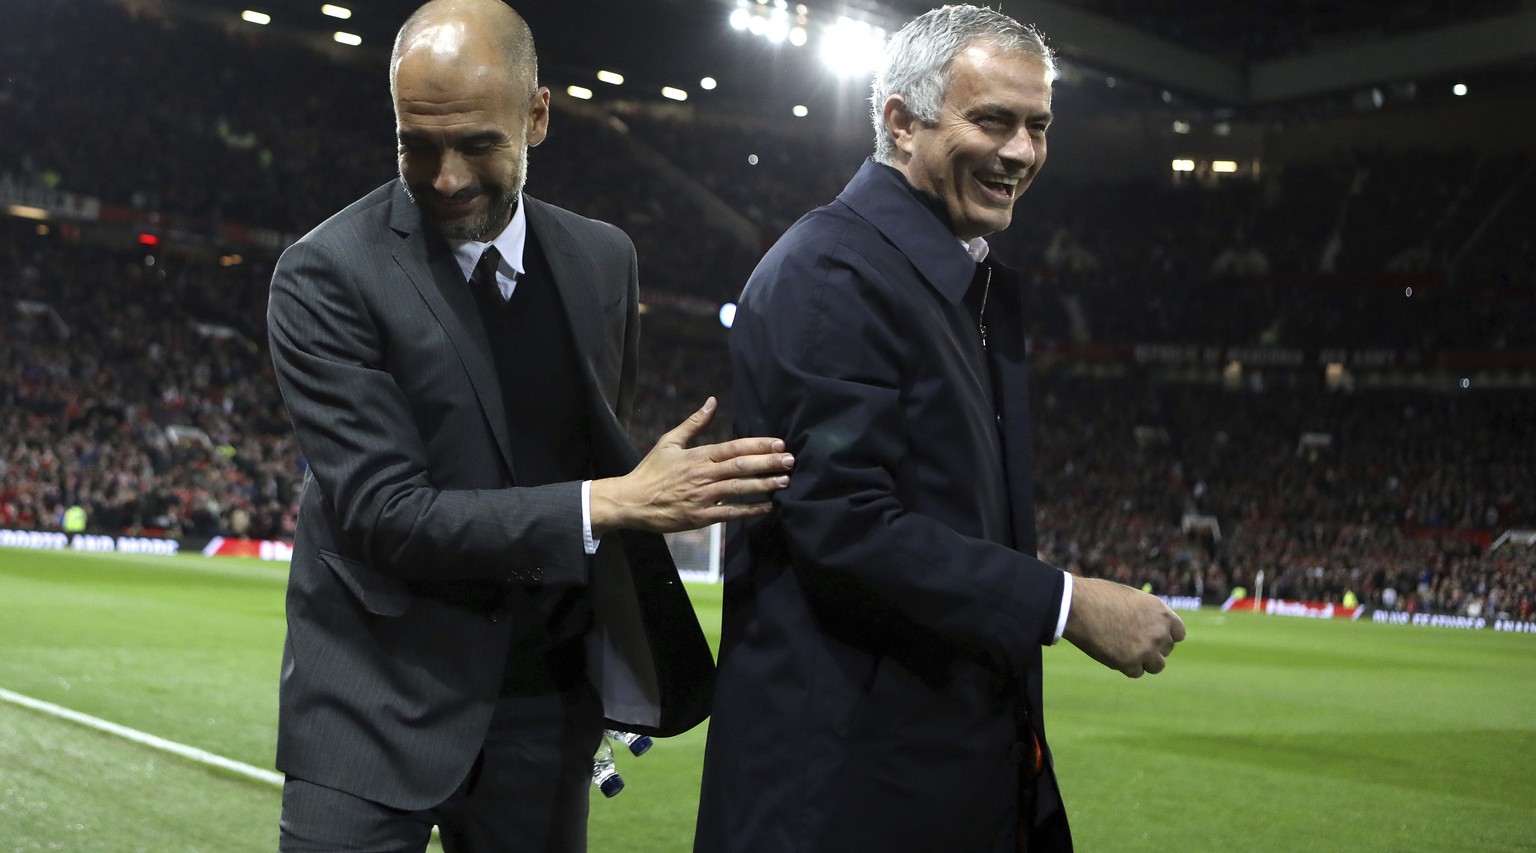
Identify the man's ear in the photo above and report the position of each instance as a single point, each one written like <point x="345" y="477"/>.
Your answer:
<point x="538" y="116"/>
<point x="900" y="123"/>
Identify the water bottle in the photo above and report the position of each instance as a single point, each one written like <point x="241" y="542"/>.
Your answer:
<point x="604" y="776"/>
<point x="638" y="744"/>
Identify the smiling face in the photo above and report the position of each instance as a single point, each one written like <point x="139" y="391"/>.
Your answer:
<point x="464" y="125"/>
<point x="988" y="142"/>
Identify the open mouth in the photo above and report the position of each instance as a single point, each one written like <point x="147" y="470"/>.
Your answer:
<point x="1000" y="187"/>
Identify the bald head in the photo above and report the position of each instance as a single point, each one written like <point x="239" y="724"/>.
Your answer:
<point x="484" y="37"/>
<point x="467" y="109"/>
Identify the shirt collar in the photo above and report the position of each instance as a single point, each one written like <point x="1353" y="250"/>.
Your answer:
<point x="509" y="243"/>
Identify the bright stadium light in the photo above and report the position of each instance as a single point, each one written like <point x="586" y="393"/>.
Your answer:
<point x="674" y="94"/>
<point x="708" y="84"/>
<point x="1459" y="90"/>
<point x="757" y="26"/>
<point x="1181" y="127"/>
<point x="580" y="92"/>
<point x="1183" y="165"/>
<point x="800" y="111"/>
<point x="1223" y="166"/>
<point x="348" y="38"/>
<point x="341" y="12"/>
<point x="852" y="48"/>
<point x="798" y="37"/>
<point x="777" y="28"/>
<point x="261" y="18"/>
<point x="611" y="77"/>
<point x="740" y="20"/>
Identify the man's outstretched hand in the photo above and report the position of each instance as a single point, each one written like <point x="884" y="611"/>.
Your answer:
<point x="677" y="487"/>
<point x="1121" y="627"/>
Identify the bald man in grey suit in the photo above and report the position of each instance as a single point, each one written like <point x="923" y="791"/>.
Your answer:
<point x="478" y="580"/>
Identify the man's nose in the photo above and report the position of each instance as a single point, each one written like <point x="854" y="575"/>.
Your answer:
<point x="1019" y="151"/>
<point x="452" y="175"/>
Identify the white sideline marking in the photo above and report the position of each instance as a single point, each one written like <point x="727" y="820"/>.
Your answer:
<point x="199" y="755"/>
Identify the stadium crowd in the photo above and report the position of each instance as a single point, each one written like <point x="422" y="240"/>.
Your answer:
<point x="135" y="381"/>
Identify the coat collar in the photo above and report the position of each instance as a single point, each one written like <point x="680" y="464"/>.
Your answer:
<point x="913" y="222"/>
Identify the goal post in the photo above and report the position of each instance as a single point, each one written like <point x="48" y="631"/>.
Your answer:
<point x="698" y="553"/>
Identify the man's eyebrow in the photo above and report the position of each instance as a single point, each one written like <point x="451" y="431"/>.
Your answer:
<point x="1012" y="112"/>
<point x="413" y="135"/>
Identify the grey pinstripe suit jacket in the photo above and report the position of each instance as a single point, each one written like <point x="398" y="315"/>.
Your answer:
<point x="389" y="379"/>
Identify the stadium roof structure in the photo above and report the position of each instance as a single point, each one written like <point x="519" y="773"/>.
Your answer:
<point x="1246" y="57"/>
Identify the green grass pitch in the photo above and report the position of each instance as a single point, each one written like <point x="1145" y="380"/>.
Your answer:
<point x="1266" y="733"/>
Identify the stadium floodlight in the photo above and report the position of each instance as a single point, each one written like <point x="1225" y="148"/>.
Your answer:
<point x="611" y="77"/>
<point x="800" y="111"/>
<point x="261" y="18"/>
<point x="740" y="20"/>
<point x="776" y="30"/>
<point x="341" y="12"/>
<point x="708" y="84"/>
<point x="1181" y="127"/>
<point x="348" y="38"/>
<point x="1459" y="90"/>
<point x="1224" y="166"/>
<point x="674" y="94"/>
<point x="580" y="92"/>
<point x="1183" y="165"/>
<point x="798" y="37"/>
<point x="852" y="48"/>
<point x="757" y="26"/>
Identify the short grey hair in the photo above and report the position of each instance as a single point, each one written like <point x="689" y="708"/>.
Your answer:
<point x="917" y="58"/>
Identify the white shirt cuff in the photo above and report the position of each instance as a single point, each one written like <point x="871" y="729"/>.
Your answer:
<point x="1066" y="605"/>
<point x="586" y="519"/>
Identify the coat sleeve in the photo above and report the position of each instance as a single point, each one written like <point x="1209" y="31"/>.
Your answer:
<point x="822" y="345"/>
<point x="357" y="430"/>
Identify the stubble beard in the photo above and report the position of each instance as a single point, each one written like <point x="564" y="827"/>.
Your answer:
<point x="486" y="226"/>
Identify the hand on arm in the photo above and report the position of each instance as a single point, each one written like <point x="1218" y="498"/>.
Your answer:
<point x="1121" y="627"/>
<point x="676" y="487"/>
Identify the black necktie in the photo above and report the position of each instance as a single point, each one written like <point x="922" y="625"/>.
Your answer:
<point x="483" y="280"/>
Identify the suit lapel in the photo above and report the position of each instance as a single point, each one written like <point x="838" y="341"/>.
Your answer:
<point x="430" y="266"/>
<point x="575" y="273"/>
